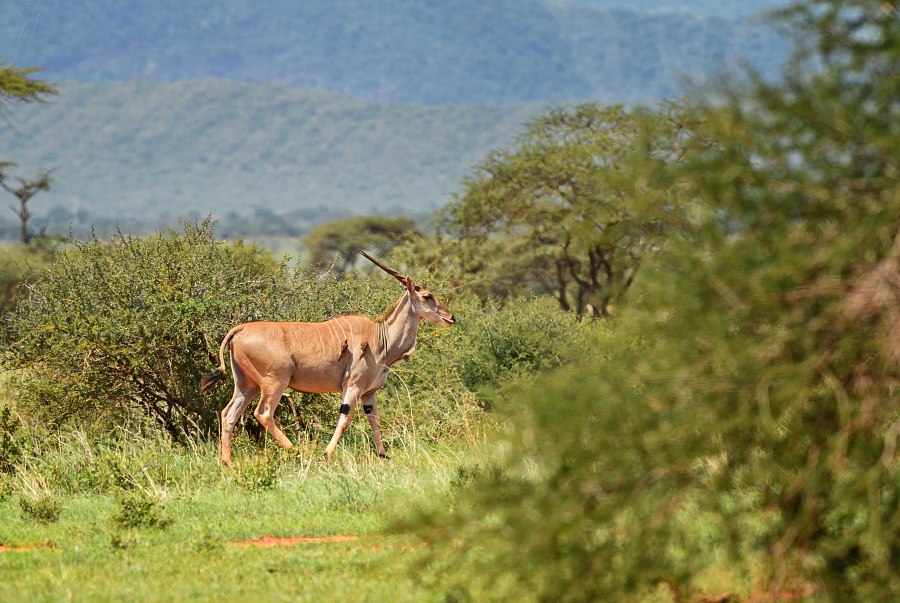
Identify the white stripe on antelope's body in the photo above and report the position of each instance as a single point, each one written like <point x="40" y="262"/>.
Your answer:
<point x="317" y="357"/>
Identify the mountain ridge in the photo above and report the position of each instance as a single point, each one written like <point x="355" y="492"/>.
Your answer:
<point x="447" y="52"/>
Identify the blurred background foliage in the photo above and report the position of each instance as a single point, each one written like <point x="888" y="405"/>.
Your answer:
<point x="761" y="400"/>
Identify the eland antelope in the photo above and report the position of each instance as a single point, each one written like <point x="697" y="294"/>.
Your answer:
<point x="349" y="354"/>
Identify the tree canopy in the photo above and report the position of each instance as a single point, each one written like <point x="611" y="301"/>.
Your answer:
<point x="18" y="85"/>
<point x="338" y="242"/>
<point x="580" y="201"/>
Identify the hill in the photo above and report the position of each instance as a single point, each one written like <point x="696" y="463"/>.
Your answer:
<point x="453" y="51"/>
<point x="146" y="152"/>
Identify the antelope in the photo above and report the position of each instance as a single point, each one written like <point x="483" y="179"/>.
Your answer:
<point x="349" y="354"/>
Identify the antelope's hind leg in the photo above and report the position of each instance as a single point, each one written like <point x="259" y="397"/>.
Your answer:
<point x="244" y="392"/>
<point x="265" y="412"/>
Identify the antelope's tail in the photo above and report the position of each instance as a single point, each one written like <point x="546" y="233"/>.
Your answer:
<point x="212" y="378"/>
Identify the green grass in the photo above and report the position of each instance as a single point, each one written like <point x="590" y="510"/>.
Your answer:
<point x="144" y="519"/>
<point x="93" y="561"/>
<point x="95" y="557"/>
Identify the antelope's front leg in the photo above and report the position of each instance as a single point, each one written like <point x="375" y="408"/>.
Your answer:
<point x="348" y="405"/>
<point x="371" y="409"/>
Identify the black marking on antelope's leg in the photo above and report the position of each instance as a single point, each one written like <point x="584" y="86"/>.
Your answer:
<point x="351" y="398"/>
<point x="368" y="408"/>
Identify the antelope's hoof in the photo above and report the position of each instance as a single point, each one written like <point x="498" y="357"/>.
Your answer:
<point x="384" y="456"/>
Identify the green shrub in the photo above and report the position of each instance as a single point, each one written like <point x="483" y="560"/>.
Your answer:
<point x="42" y="509"/>
<point x="10" y="441"/>
<point x="21" y="265"/>
<point x="138" y="510"/>
<point x="132" y="324"/>
<point x="502" y="344"/>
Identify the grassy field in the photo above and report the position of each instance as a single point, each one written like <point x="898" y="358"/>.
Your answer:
<point x="136" y="517"/>
<point x="102" y="549"/>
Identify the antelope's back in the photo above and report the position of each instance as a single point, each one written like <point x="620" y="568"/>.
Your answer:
<point x="314" y="356"/>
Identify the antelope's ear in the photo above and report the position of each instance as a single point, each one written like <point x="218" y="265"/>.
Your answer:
<point x="410" y="286"/>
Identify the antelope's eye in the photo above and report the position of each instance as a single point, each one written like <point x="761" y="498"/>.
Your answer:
<point x="427" y="297"/>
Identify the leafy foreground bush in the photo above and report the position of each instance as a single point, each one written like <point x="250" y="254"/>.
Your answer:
<point x="756" y="432"/>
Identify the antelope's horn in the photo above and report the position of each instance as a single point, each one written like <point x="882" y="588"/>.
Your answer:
<point x="390" y="271"/>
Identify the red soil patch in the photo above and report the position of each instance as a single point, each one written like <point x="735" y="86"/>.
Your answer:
<point x="270" y="541"/>
<point x="27" y="547"/>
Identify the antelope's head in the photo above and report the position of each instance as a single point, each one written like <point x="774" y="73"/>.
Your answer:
<point x="424" y="304"/>
<point x="427" y="306"/>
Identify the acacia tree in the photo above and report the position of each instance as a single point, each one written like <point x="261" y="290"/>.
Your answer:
<point x="17" y="85"/>
<point x="576" y="205"/>
<point x="24" y="191"/>
<point x="342" y="238"/>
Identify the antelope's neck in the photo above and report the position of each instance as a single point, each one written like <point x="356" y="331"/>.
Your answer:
<point x="397" y="333"/>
